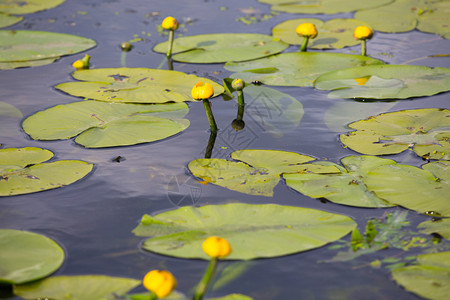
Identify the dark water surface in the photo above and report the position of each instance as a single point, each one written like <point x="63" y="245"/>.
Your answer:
<point x="93" y="218"/>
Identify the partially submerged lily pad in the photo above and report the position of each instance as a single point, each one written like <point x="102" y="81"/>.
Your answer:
<point x="424" y="190"/>
<point x="21" y="47"/>
<point x="254" y="231"/>
<point x="439" y="226"/>
<point x="254" y="172"/>
<point x="99" y="124"/>
<point x="27" y="256"/>
<point x="222" y="47"/>
<point x="346" y="187"/>
<point x="425" y="131"/>
<point x="134" y="85"/>
<point x="81" y="287"/>
<point x="430" y="278"/>
<point x="23" y="171"/>
<point x="7" y="20"/>
<point x="406" y="15"/>
<point x="20" y="7"/>
<point x="333" y="34"/>
<point x="322" y="6"/>
<point x="10" y="117"/>
<point x="385" y="82"/>
<point x="296" y="69"/>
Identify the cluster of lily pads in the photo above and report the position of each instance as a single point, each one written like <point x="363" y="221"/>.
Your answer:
<point x="129" y="106"/>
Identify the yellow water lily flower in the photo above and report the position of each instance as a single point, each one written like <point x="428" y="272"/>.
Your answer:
<point x="216" y="247"/>
<point x="307" y="30"/>
<point x="170" y="23"/>
<point x="78" y="64"/>
<point x="202" y="91"/>
<point x="363" y="33"/>
<point x="160" y="282"/>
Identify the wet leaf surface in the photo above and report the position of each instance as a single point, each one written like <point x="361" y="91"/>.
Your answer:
<point x="19" y="7"/>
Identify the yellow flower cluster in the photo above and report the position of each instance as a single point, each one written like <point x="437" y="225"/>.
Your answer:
<point x="363" y="33"/>
<point x="216" y="247"/>
<point x="160" y="282"/>
<point x="307" y="30"/>
<point x="202" y="91"/>
<point x="170" y="23"/>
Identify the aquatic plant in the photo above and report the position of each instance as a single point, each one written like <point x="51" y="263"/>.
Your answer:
<point x="307" y="31"/>
<point x="160" y="283"/>
<point x="204" y="91"/>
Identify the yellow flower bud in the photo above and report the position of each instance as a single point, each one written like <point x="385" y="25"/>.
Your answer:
<point x="216" y="247"/>
<point x="363" y="33"/>
<point x="307" y="30"/>
<point x="78" y="64"/>
<point x="170" y="23"/>
<point x="161" y="282"/>
<point x="202" y="91"/>
<point x="238" y="84"/>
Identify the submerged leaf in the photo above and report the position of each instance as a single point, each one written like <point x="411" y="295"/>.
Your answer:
<point x="384" y="82"/>
<point x="253" y="231"/>
<point x="134" y="85"/>
<point x="440" y="226"/>
<point x="426" y="131"/>
<point x="22" y="171"/>
<point x="81" y="287"/>
<point x="297" y="68"/>
<point x="222" y="47"/>
<point x="99" y="124"/>
<point x="27" y="256"/>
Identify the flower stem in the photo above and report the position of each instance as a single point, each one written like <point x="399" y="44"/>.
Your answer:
<point x="169" y="50"/>
<point x="241" y="101"/>
<point x="204" y="283"/>
<point x="363" y="48"/>
<point x="209" y="114"/>
<point x="152" y="296"/>
<point x="211" y="142"/>
<point x="304" y="44"/>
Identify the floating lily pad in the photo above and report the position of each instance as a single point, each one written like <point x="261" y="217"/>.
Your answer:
<point x="425" y="131"/>
<point x="21" y="47"/>
<point x="333" y="34"/>
<point x="233" y="297"/>
<point x="222" y="47"/>
<point x="406" y="15"/>
<point x="25" y="64"/>
<point x="20" y="7"/>
<point x="439" y="226"/>
<point x="10" y="117"/>
<point x="134" y="85"/>
<point x="254" y="231"/>
<point x="346" y="187"/>
<point x="296" y="69"/>
<point x="385" y="82"/>
<point x="27" y="256"/>
<point x="430" y="278"/>
<point x="77" y="287"/>
<point x="255" y="172"/>
<point x="7" y="20"/>
<point x="424" y="190"/>
<point x="322" y="6"/>
<point x="175" y="295"/>
<point x="99" y="124"/>
<point x="273" y="110"/>
<point x="23" y="171"/>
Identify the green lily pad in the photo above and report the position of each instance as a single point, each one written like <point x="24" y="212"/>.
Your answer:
<point x="253" y="231"/>
<point x="175" y="295"/>
<point x="333" y="34"/>
<point x="27" y="256"/>
<point x="7" y="20"/>
<point x="273" y="110"/>
<point x="407" y="15"/>
<point x="255" y="172"/>
<point x="23" y="171"/>
<point x="26" y="64"/>
<point x="134" y="85"/>
<point x="440" y="226"/>
<point x="425" y="131"/>
<point x="20" y="7"/>
<point x="385" y="82"/>
<point x="21" y="46"/>
<point x="322" y="6"/>
<point x="222" y="47"/>
<point x="233" y="297"/>
<point x="296" y="69"/>
<point x="430" y="278"/>
<point x="346" y="187"/>
<point x="99" y="124"/>
<point x="77" y="287"/>
<point x="424" y="190"/>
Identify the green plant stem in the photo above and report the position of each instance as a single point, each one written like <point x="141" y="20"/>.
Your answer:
<point x="152" y="296"/>
<point x="204" y="283"/>
<point x="209" y="114"/>
<point x="304" y="44"/>
<point x="363" y="48"/>
<point x="123" y="58"/>
<point x="240" y="113"/>
<point x="170" y="64"/>
<point x="169" y="50"/>
<point x="241" y="101"/>
<point x="211" y="142"/>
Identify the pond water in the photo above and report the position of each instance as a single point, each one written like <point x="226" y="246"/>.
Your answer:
<point x="93" y="218"/>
